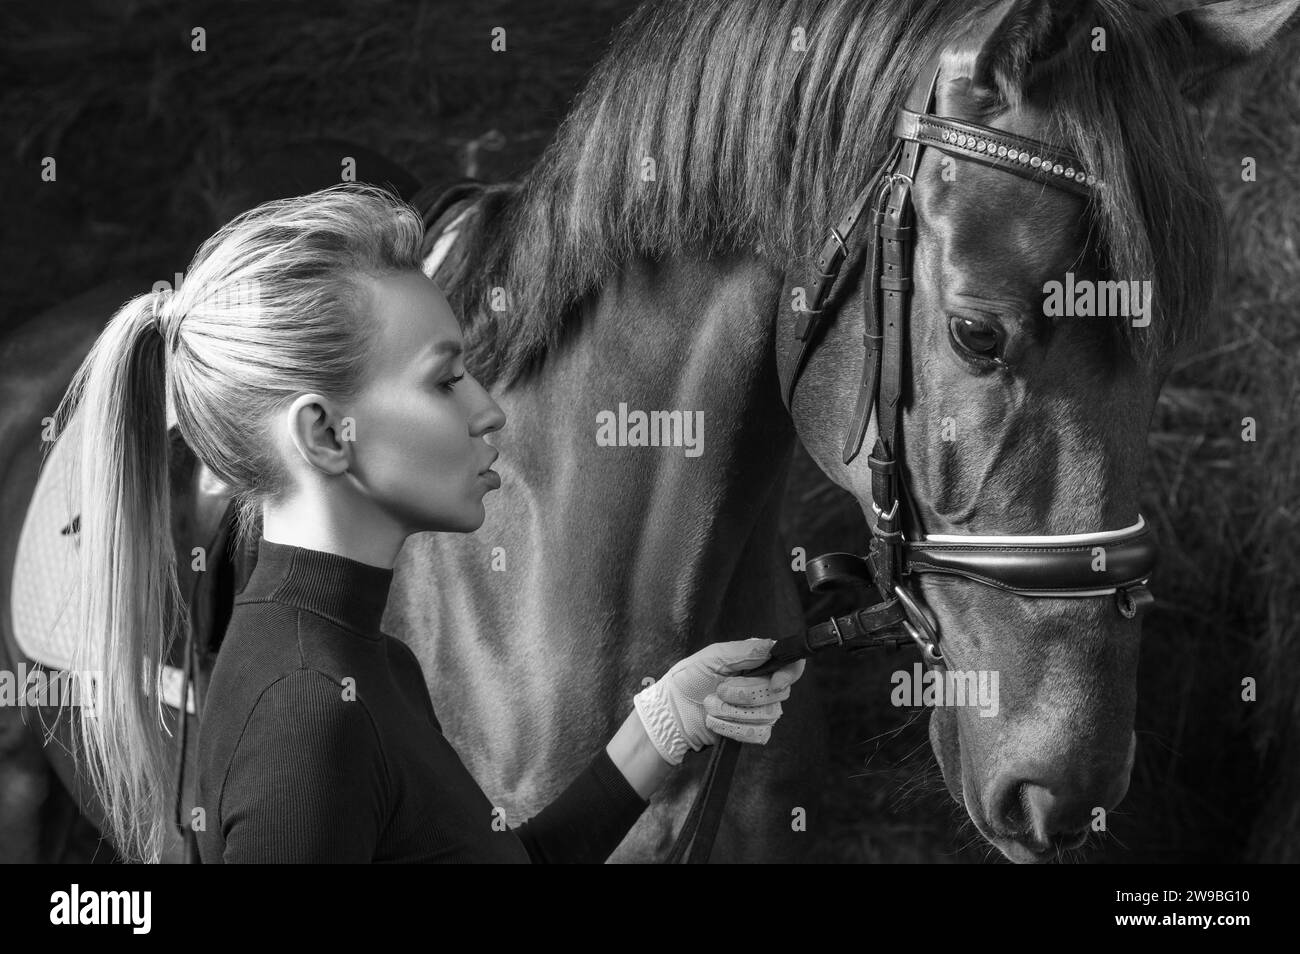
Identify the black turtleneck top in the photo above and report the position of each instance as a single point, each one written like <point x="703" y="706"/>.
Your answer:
<point x="318" y="740"/>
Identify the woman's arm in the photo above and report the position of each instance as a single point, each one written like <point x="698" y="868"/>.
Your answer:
<point x="636" y="757"/>
<point x="698" y="700"/>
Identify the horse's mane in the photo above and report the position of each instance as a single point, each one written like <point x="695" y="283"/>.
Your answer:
<point x="758" y="146"/>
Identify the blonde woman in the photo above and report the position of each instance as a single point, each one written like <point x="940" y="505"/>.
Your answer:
<point x="316" y="370"/>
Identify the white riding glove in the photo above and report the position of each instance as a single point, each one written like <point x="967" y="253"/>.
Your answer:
<point x="700" y="699"/>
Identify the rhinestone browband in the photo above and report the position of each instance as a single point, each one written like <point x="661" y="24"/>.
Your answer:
<point x="993" y="147"/>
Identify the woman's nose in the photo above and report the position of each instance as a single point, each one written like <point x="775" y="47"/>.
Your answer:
<point x="488" y="417"/>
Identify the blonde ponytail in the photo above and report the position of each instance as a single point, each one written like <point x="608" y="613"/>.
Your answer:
<point x="129" y="600"/>
<point x="271" y="307"/>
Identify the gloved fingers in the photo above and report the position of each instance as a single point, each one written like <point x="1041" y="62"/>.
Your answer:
<point x="749" y="734"/>
<point x="727" y="659"/>
<point x="750" y="690"/>
<point x="703" y="737"/>
<point x="713" y="706"/>
<point x="787" y="676"/>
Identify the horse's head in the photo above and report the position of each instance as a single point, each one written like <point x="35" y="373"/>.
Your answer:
<point x="1023" y="414"/>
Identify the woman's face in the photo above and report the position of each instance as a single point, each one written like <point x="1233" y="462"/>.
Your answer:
<point x="419" y="451"/>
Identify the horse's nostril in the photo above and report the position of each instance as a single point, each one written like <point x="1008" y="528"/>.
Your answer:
<point x="1026" y="810"/>
<point x="1053" y="818"/>
<point x="1008" y="808"/>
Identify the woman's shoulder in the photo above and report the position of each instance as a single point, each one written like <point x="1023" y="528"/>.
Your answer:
<point x="301" y="699"/>
<point x="303" y="719"/>
<point x="272" y="691"/>
<point x="282" y="776"/>
<point x="312" y="707"/>
<point x="264" y="640"/>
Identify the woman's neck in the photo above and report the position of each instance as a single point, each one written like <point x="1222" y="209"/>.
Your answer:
<point x="345" y="528"/>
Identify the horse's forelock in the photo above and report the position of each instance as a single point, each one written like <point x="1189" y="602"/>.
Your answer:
<point x="1113" y="98"/>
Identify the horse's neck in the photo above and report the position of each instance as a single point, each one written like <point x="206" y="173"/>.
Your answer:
<point x="597" y="565"/>
<point x="662" y="531"/>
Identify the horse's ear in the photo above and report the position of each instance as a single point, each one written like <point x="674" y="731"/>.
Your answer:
<point x="1015" y="46"/>
<point x="1225" y="36"/>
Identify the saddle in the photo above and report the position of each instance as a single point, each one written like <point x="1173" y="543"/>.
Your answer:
<point x="210" y="570"/>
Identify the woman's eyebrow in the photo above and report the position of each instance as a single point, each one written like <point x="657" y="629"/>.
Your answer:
<point x="442" y="350"/>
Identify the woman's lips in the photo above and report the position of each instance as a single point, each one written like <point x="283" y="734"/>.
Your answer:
<point x="492" y="477"/>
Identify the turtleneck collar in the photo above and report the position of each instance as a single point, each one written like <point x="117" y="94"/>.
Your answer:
<point x="344" y="591"/>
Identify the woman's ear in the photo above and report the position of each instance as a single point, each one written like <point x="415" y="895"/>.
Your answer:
<point x="1226" y="35"/>
<point x="316" y="431"/>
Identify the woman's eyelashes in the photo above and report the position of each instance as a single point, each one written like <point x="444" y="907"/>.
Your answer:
<point x="449" y="384"/>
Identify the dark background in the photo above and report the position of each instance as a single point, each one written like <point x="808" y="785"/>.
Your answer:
<point x="151" y="138"/>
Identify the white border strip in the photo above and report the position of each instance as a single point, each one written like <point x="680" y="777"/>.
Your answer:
<point x="1066" y="594"/>
<point x="1061" y="539"/>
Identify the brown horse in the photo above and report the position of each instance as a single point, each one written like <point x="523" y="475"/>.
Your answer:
<point x="642" y="266"/>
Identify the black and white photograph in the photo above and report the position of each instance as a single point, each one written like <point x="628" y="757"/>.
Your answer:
<point x="759" y="432"/>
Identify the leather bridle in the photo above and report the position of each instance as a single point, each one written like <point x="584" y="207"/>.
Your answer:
<point x="1078" y="565"/>
<point x="1086" y="565"/>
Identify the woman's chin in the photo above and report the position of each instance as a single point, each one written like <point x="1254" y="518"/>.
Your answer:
<point x="482" y="516"/>
<point x="466" y="520"/>
<point x="474" y="518"/>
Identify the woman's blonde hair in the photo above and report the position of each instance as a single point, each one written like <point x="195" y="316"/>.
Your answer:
<point x="272" y="305"/>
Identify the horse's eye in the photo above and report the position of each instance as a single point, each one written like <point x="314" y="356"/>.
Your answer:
<point x="977" y="338"/>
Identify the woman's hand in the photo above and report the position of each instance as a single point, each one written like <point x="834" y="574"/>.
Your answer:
<point x="702" y="697"/>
